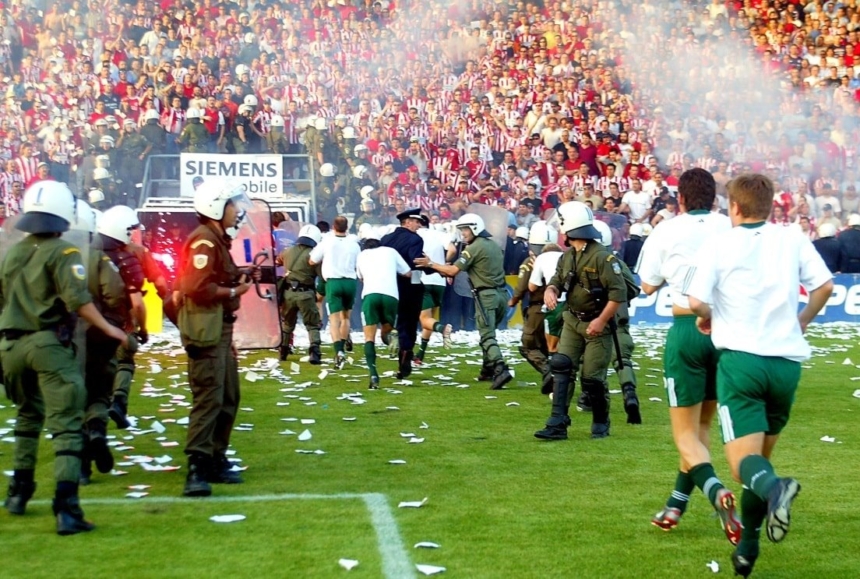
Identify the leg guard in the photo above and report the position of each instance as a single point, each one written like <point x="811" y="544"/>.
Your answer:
<point x="561" y="367"/>
<point x="597" y="393"/>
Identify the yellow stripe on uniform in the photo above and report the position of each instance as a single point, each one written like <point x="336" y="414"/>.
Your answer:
<point x="200" y="242"/>
<point x="71" y="250"/>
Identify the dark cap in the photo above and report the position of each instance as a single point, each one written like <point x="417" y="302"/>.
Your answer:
<point x="425" y="221"/>
<point x="413" y="213"/>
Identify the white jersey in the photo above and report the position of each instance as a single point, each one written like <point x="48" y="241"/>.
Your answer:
<point x="337" y="255"/>
<point x="668" y="253"/>
<point x="436" y="244"/>
<point x="639" y="203"/>
<point x="544" y="268"/>
<point x="378" y="268"/>
<point x="751" y="277"/>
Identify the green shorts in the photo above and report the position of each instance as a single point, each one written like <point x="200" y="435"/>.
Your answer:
<point x="689" y="364"/>
<point x="432" y="296"/>
<point x="554" y="322"/>
<point x="378" y="309"/>
<point x="755" y="393"/>
<point x="321" y="286"/>
<point x="340" y="294"/>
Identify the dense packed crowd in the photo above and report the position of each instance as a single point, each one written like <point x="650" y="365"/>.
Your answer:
<point x="518" y="104"/>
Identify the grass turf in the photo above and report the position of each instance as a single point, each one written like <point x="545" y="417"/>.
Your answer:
<point x="501" y="503"/>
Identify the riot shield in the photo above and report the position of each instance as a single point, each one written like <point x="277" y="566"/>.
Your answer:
<point x="81" y="240"/>
<point x="285" y="236"/>
<point x="258" y="325"/>
<point x="495" y="222"/>
<point x="618" y="224"/>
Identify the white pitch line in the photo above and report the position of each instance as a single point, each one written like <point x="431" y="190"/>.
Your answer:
<point x="395" y="560"/>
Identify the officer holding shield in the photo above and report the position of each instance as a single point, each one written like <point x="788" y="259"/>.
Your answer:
<point x="298" y="292"/>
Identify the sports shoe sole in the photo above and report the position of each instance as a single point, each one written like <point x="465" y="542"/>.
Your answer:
<point x="779" y="509"/>
<point x="540" y="434"/>
<point x="728" y="517"/>
<point x="667" y="519"/>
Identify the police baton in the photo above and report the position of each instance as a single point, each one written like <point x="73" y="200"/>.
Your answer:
<point x="479" y="307"/>
<point x="613" y="327"/>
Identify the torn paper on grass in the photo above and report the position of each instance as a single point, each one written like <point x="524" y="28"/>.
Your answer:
<point x="412" y="504"/>
<point x="227" y="518"/>
<point x="348" y="564"/>
<point x="429" y="569"/>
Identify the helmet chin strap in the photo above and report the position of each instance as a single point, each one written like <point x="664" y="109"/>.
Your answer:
<point x="233" y="232"/>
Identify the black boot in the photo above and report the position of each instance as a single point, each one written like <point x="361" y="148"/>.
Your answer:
<point x="405" y="366"/>
<point x="314" y="356"/>
<point x="546" y="383"/>
<point x="195" y="482"/>
<point x="501" y="376"/>
<point x="67" y="510"/>
<point x="283" y="352"/>
<point x="118" y="410"/>
<point x="98" y="449"/>
<point x="222" y="472"/>
<point x="486" y="374"/>
<point x="86" y="466"/>
<point x="596" y="391"/>
<point x="631" y="404"/>
<point x="21" y="489"/>
<point x="559" y="420"/>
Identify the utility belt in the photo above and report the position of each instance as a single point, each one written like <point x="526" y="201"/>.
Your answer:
<point x="489" y="288"/>
<point x="299" y="287"/>
<point x="230" y="317"/>
<point x="64" y="333"/>
<point x="16" y="334"/>
<point x="585" y="316"/>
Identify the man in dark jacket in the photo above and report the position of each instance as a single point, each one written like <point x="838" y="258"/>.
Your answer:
<point x="828" y="246"/>
<point x="849" y="246"/>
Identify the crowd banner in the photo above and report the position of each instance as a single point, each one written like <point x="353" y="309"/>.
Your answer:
<point x="262" y="176"/>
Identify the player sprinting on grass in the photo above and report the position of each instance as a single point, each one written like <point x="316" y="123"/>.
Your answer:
<point x="439" y="248"/>
<point x="378" y="267"/>
<point x="750" y="276"/>
<point x="689" y="358"/>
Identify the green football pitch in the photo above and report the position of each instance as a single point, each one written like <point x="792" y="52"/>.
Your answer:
<point x="499" y="503"/>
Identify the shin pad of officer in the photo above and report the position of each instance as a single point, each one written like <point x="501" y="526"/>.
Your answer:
<point x="599" y="406"/>
<point x="561" y="367"/>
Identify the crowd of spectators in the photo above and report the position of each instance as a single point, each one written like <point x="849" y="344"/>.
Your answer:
<point x="518" y="104"/>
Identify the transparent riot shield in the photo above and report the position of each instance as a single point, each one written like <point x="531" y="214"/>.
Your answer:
<point x="258" y="325"/>
<point x="495" y="222"/>
<point x="285" y="236"/>
<point x="81" y="240"/>
<point x="618" y="224"/>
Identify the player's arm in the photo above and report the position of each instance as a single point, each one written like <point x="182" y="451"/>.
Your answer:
<point x="648" y="267"/>
<point x="463" y="263"/>
<point x="700" y="284"/>
<point x="813" y="273"/>
<point x="317" y="253"/>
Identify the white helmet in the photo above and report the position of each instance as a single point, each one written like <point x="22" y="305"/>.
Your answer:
<point x="647" y="229"/>
<point x="349" y="132"/>
<point x="85" y="218"/>
<point x="251" y="100"/>
<point x="95" y="196"/>
<point x="309" y="235"/>
<point x="49" y="207"/>
<point x="577" y="220"/>
<point x="541" y="234"/>
<point x="637" y="229"/>
<point x="245" y="109"/>
<point x="853" y="220"/>
<point x="474" y="222"/>
<point x="522" y="233"/>
<point x="150" y="115"/>
<point x="106" y="139"/>
<point x="367" y="204"/>
<point x="100" y="173"/>
<point x="100" y="123"/>
<point x="193" y="113"/>
<point x="277" y="121"/>
<point x="364" y="230"/>
<point x="242" y="69"/>
<point x="211" y="197"/>
<point x="118" y="222"/>
<point x="320" y="124"/>
<point x="605" y="232"/>
<point x="327" y="170"/>
<point x="359" y="149"/>
<point x="826" y="230"/>
<point x="359" y="171"/>
<point x="103" y="162"/>
<point x="367" y="191"/>
<point x="249" y="38"/>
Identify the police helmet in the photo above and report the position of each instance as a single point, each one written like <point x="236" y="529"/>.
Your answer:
<point x="309" y="235"/>
<point x="577" y="220"/>
<point x="118" y="223"/>
<point x="473" y="222"/>
<point x="327" y="170"/>
<point x="277" y="121"/>
<point x="49" y="207"/>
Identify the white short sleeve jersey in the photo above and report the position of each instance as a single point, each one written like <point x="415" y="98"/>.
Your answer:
<point x="436" y="244"/>
<point x="337" y="255"/>
<point x="378" y="269"/>
<point x="667" y="255"/>
<point x="639" y="203"/>
<point x="751" y="276"/>
<point x="544" y="268"/>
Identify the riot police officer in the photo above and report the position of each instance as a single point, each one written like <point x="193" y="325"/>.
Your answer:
<point x="133" y="148"/>
<point x="590" y="276"/>
<point x="194" y="137"/>
<point x="210" y="286"/>
<point x="241" y="131"/>
<point x="298" y="292"/>
<point x="44" y="282"/>
<point x="483" y="261"/>
<point x="276" y="140"/>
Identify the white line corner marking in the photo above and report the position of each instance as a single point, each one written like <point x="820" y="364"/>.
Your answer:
<point x="395" y="560"/>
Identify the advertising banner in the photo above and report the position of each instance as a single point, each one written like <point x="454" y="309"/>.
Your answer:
<point x="261" y="175"/>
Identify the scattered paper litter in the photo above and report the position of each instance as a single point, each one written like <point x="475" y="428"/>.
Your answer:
<point x="407" y="434"/>
<point x="295" y="368"/>
<point x="397" y="461"/>
<point x="412" y="504"/>
<point x="512" y="404"/>
<point x="424" y="425"/>
<point x="306" y="435"/>
<point x="158" y="427"/>
<point x="136" y="495"/>
<point x="414" y="440"/>
<point x="182" y="421"/>
<point x="322" y="376"/>
<point x="655" y="399"/>
<point x="857" y="394"/>
<point x="227" y="518"/>
<point x="169" y="444"/>
<point x="287" y="432"/>
<point x="847" y="362"/>
<point x="349" y="418"/>
<point x="713" y="566"/>
<point x="427" y="545"/>
<point x="154" y="369"/>
<point x="139" y="487"/>
<point x="252" y="376"/>
<point x="115" y="472"/>
<point x="348" y="564"/>
<point x="827" y="439"/>
<point x="387" y="408"/>
<point x="429" y="569"/>
<point x="308" y="421"/>
<point x="490" y="397"/>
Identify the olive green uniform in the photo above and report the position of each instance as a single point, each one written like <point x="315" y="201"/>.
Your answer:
<point x="626" y="375"/>
<point x="298" y="294"/>
<point x="534" y="348"/>
<point x="206" y="329"/>
<point x="590" y="278"/>
<point x="483" y="261"/>
<point x="43" y="279"/>
<point x="108" y="291"/>
<point x="194" y="138"/>
<point x="131" y="147"/>
<point x="313" y="143"/>
<point x="276" y="141"/>
<point x="366" y="218"/>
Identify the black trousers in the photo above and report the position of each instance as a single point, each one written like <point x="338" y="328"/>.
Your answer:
<point x="408" y="312"/>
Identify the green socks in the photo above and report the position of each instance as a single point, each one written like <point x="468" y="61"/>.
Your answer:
<point x="370" y="357"/>
<point x="705" y="478"/>
<point x="438" y="327"/>
<point x="757" y="474"/>
<point x="422" y="349"/>
<point x="339" y="346"/>
<point x="684" y="485"/>
<point x="753" y="512"/>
